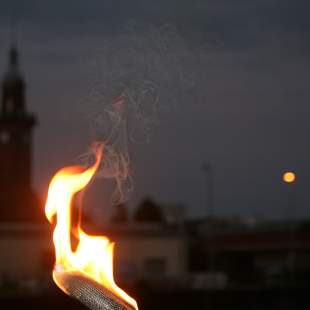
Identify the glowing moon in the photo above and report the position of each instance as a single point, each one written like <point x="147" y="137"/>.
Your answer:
<point x="289" y="177"/>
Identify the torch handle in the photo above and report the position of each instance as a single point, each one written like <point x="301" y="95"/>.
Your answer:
<point x="89" y="292"/>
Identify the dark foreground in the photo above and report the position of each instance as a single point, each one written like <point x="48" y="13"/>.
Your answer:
<point x="256" y="299"/>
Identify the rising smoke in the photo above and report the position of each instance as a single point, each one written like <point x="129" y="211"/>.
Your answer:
<point x="124" y="103"/>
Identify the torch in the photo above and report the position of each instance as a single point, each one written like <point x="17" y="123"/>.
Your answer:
<point x="87" y="272"/>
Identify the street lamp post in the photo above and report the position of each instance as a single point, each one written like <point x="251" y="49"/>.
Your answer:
<point x="207" y="168"/>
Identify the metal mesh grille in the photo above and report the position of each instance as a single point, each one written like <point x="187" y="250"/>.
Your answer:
<point x="90" y="293"/>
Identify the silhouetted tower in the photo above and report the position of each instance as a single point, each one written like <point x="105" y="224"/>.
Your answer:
<point x="17" y="200"/>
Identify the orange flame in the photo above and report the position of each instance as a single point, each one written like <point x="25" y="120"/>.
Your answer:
<point x="94" y="254"/>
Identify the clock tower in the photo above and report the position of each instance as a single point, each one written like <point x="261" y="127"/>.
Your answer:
<point x="18" y="202"/>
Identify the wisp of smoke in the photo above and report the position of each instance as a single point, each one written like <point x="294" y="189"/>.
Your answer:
<point x="109" y="131"/>
<point x="149" y="64"/>
<point x="132" y="74"/>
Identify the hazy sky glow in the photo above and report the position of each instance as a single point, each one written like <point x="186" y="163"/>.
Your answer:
<point x="233" y="83"/>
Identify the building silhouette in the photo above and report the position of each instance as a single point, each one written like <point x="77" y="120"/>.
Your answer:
<point x="18" y="201"/>
<point x="148" y="212"/>
<point x="24" y="237"/>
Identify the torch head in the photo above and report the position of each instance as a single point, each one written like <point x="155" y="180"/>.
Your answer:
<point x="88" y="292"/>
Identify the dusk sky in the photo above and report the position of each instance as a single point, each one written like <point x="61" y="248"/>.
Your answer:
<point x="232" y="78"/>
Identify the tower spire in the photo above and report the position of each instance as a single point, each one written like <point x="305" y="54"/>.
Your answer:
<point x="13" y="86"/>
<point x="13" y="52"/>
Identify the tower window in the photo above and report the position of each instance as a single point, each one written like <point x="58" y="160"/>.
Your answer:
<point x="10" y="106"/>
<point x="25" y="138"/>
<point x="4" y="137"/>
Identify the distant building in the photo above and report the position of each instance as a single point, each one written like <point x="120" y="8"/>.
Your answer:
<point x="152" y="254"/>
<point x="23" y="237"/>
<point x="265" y="253"/>
<point x="18" y="201"/>
<point x="148" y="212"/>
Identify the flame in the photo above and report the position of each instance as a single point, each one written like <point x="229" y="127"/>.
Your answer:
<point x="94" y="254"/>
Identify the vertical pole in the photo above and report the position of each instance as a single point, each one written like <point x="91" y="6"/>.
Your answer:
<point x="210" y="213"/>
<point x="207" y="168"/>
<point x="292" y="232"/>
